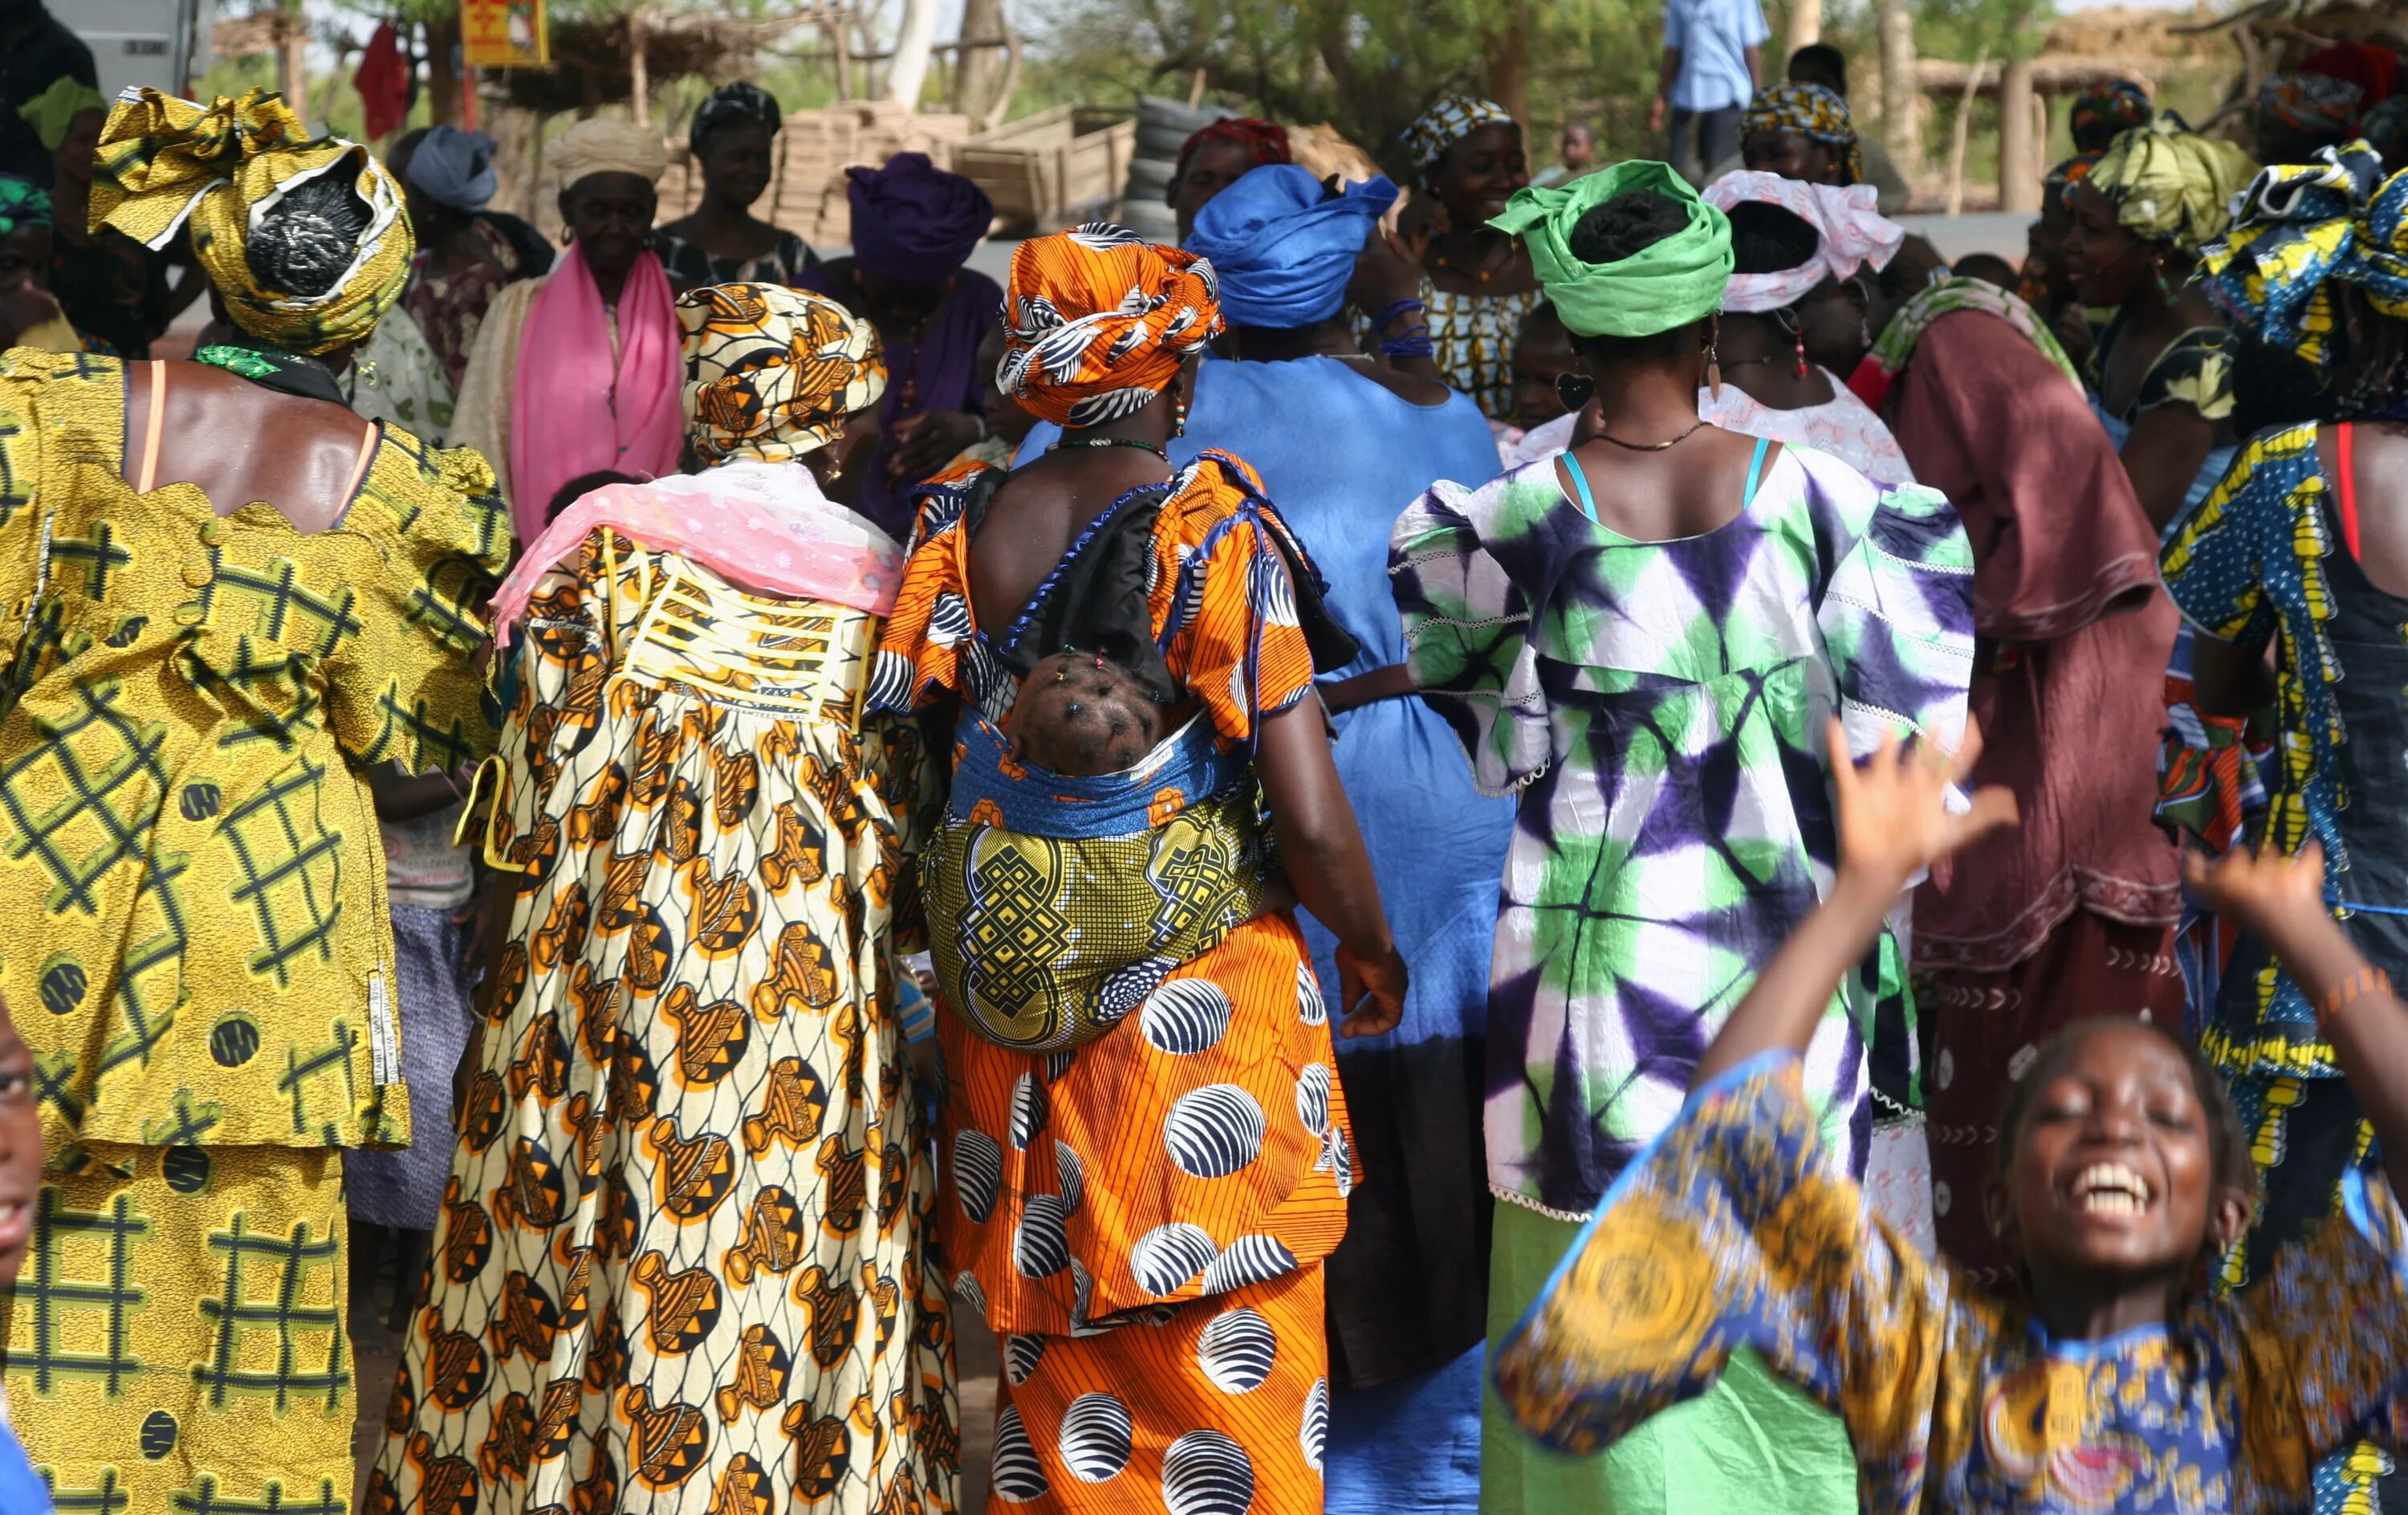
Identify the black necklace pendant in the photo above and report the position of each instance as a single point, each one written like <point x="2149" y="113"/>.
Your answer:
<point x="1111" y="441"/>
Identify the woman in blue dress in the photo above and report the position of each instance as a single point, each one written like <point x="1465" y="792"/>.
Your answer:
<point x="1352" y="444"/>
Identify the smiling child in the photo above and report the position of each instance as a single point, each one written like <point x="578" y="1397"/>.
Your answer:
<point x="2122" y="1387"/>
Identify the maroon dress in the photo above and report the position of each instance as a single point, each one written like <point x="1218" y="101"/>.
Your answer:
<point x="2070" y="914"/>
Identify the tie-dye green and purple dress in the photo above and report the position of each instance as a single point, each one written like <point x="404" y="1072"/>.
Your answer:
<point x="1659" y="708"/>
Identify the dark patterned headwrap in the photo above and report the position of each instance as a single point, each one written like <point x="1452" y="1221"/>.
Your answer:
<point x="2300" y="229"/>
<point x="1454" y="118"/>
<point x="772" y="372"/>
<point x="22" y="203"/>
<point x="1811" y="112"/>
<point x="1265" y="141"/>
<point x="2101" y="114"/>
<point x="2316" y="106"/>
<point x="1098" y="320"/>
<point x="730" y="104"/>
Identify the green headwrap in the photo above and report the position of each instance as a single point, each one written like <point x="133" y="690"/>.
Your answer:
<point x="1666" y="284"/>
<point x="2170" y="183"/>
<point x="54" y="110"/>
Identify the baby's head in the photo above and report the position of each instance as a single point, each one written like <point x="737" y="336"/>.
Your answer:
<point x="1081" y="714"/>
<point x="2121" y="1157"/>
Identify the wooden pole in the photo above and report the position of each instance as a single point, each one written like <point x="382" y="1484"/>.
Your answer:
<point x="1956" y="134"/>
<point x="639" y="76"/>
<point x="1901" y="96"/>
<point x="2019" y="179"/>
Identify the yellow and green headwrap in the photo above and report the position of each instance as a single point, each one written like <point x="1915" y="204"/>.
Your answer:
<point x="2302" y="229"/>
<point x="1809" y="110"/>
<point x="1666" y="285"/>
<point x="772" y="372"/>
<point x="54" y="110"/>
<point x="165" y="162"/>
<point x="2169" y="183"/>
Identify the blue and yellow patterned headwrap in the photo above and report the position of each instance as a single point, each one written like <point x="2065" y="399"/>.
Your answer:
<point x="22" y="203"/>
<point x="1811" y="112"/>
<point x="2301" y="229"/>
<point x="1454" y="118"/>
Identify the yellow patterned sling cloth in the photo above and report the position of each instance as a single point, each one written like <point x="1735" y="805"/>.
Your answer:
<point x="1073" y="898"/>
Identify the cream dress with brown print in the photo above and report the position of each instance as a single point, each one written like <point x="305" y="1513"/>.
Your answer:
<point x="680" y="1264"/>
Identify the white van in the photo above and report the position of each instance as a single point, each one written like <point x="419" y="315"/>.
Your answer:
<point x="136" y="42"/>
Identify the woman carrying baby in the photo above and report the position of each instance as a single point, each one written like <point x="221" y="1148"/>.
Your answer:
<point x="1142" y="1126"/>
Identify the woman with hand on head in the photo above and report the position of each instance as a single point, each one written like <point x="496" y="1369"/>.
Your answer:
<point x="1476" y="285"/>
<point x="1147" y="1147"/>
<point x="688" y="1215"/>
<point x="914" y="227"/>
<point x="578" y="370"/>
<point x="1640" y="640"/>
<point x="218" y="637"/>
<point x="1217" y="157"/>
<point x="722" y="242"/>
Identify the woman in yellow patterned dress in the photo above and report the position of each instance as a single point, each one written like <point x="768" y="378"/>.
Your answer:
<point x="202" y="637"/>
<point x="679" y="1266"/>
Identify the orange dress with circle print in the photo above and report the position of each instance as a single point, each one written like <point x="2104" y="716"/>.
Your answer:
<point x="1144" y="1217"/>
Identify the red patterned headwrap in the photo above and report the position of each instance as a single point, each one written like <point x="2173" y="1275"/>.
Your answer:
<point x="1266" y="141"/>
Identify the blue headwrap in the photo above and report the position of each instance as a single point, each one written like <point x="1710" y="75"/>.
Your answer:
<point x="1284" y="247"/>
<point x="454" y="168"/>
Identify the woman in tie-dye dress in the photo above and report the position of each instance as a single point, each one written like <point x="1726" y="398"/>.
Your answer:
<point x="678" y="1265"/>
<point x="1656" y="689"/>
<point x="1148" y="1157"/>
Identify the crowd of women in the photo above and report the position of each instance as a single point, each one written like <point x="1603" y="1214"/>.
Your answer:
<point x="1280" y="821"/>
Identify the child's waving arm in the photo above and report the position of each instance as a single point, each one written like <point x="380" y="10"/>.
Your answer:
<point x="1893" y="822"/>
<point x="2283" y="900"/>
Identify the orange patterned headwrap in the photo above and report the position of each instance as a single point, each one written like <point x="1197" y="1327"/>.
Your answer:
<point x="1098" y="320"/>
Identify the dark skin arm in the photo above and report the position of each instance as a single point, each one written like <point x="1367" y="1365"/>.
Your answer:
<point x="1384" y="273"/>
<point x="2228" y="679"/>
<point x="400" y="796"/>
<point x="2163" y="455"/>
<point x="1327" y="864"/>
<point x="2283" y="900"/>
<point x="1893" y="822"/>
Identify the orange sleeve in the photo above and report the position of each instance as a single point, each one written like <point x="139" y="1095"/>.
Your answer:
<point x="1225" y="605"/>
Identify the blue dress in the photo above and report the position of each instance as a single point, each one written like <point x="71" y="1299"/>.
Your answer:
<point x="1343" y="456"/>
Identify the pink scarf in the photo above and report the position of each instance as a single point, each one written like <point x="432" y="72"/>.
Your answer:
<point x="572" y="409"/>
<point x="764" y="526"/>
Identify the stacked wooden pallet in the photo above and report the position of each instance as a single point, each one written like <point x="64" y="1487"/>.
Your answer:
<point x="807" y="189"/>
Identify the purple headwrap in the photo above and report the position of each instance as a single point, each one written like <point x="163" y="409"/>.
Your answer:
<point x="912" y="221"/>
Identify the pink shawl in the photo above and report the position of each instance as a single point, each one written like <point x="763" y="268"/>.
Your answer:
<point x="763" y="527"/>
<point x="573" y="410"/>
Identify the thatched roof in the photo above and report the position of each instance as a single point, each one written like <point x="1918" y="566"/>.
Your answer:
<point x="592" y="57"/>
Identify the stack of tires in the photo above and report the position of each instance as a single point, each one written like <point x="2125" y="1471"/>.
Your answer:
<point x="1162" y="128"/>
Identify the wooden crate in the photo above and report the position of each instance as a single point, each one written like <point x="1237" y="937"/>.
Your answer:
<point x="1036" y="168"/>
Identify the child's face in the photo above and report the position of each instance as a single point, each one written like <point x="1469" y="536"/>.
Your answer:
<point x="1541" y="354"/>
<point x="21" y="1147"/>
<point x="2114" y="1171"/>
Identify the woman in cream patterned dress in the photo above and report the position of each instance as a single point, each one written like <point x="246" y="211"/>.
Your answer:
<point x="678" y="1266"/>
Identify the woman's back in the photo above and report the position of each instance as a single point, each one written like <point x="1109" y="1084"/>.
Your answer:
<point x="1660" y="707"/>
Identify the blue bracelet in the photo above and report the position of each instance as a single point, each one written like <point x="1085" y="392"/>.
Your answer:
<point x="1392" y="310"/>
<point x="1414" y="343"/>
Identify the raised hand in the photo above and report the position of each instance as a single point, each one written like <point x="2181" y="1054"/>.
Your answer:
<point x="1894" y="815"/>
<point x="2269" y="891"/>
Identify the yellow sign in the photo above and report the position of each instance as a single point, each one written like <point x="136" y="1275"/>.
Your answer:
<point x="505" y="33"/>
